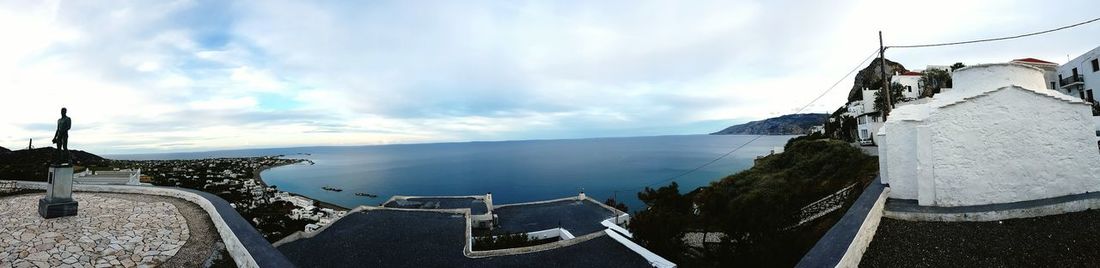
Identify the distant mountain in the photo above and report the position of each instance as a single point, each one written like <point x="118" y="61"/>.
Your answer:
<point x="32" y="165"/>
<point x="791" y="124"/>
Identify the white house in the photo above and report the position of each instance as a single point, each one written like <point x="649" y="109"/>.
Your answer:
<point x="1080" y="76"/>
<point x="299" y="201"/>
<point x="868" y="119"/>
<point x="910" y="82"/>
<point x="998" y="136"/>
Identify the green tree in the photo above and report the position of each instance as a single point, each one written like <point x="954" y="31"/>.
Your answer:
<point x="756" y="207"/>
<point x="611" y="202"/>
<point x="957" y="65"/>
<point x="662" y="225"/>
<point x="895" y="98"/>
<point x="933" y="81"/>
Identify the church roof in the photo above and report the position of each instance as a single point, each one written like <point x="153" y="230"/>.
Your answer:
<point x="1033" y="60"/>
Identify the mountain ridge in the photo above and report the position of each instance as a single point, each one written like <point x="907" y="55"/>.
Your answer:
<point x="791" y="124"/>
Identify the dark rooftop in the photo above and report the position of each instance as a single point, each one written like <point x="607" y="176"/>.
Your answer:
<point x="578" y="217"/>
<point x="1066" y="240"/>
<point x="388" y="238"/>
<point x="476" y="206"/>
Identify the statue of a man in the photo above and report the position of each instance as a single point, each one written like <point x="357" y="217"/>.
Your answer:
<point x="61" y="137"/>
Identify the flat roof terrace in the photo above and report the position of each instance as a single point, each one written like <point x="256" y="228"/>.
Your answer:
<point x="580" y="217"/>
<point x="396" y="238"/>
<point x="1065" y="240"/>
<point x="476" y="206"/>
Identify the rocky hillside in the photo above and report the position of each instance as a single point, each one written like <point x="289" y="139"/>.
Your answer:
<point x="4" y="150"/>
<point x="32" y="165"/>
<point x="791" y="124"/>
<point x="871" y="75"/>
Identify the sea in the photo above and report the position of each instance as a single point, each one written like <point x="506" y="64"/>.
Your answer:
<point x="513" y="171"/>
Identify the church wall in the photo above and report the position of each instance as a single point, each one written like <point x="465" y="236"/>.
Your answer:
<point x="900" y="158"/>
<point x="1011" y="145"/>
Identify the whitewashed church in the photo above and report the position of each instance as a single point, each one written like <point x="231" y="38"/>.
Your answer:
<point x="998" y="136"/>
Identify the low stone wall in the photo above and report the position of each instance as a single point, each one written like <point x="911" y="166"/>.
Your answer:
<point x="233" y="245"/>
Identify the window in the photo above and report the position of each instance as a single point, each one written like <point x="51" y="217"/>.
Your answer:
<point x="1095" y="65"/>
<point x="1082" y="93"/>
<point x="1052" y="85"/>
<point x="1090" y="99"/>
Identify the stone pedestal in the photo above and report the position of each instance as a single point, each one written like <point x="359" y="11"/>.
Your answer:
<point x="58" y="201"/>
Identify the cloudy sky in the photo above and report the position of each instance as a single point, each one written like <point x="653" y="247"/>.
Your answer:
<point x="159" y="76"/>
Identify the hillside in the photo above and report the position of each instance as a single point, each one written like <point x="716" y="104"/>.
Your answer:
<point x="791" y="124"/>
<point x="32" y="165"/>
<point x="4" y="150"/>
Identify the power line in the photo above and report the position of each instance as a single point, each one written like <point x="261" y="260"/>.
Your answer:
<point x="998" y="38"/>
<point x="869" y="57"/>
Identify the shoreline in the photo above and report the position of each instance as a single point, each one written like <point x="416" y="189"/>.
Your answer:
<point x="321" y="204"/>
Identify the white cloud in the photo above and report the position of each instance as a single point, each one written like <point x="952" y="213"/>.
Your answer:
<point x="187" y="75"/>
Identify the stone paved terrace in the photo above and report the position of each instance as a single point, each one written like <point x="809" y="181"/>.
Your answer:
<point x="475" y="205"/>
<point x="391" y="238"/>
<point x="120" y="230"/>
<point x="579" y="217"/>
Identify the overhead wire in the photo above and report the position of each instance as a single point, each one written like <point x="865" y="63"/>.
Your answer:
<point x="998" y="38"/>
<point x="830" y="88"/>
<point x="735" y="149"/>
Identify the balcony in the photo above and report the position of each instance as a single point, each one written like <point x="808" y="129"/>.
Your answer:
<point x="1072" y="81"/>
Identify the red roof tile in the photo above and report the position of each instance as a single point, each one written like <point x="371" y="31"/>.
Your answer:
<point x="1034" y="60"/>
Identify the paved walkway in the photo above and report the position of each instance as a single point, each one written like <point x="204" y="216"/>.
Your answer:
<point x="107" y="231"/>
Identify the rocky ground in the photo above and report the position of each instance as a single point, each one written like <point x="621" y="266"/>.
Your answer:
<point x="1067" y="240"/>
<point x="110" y="230"/>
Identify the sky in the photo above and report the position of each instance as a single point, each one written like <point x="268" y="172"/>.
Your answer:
<point x="167" y="76"/>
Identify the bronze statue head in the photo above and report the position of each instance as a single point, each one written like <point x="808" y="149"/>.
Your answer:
<point x="63" y="110"/>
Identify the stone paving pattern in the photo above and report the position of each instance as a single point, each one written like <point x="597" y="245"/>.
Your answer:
<point x="107" y="231"/>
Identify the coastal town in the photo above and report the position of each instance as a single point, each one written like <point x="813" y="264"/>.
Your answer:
<point x="274" y="213"/>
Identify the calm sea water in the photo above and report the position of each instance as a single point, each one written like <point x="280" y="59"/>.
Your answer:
<point x="514" y="171"/>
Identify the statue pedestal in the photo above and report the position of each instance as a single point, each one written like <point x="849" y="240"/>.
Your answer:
<point x="58" y="201"/>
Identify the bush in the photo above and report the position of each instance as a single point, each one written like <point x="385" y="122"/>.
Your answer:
<point x="509" y="240"/>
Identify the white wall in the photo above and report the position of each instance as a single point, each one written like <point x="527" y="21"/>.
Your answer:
<point x="911" y="83"/>
<point x="987" y="142"/>
<point x="973" y="79"/>
<point x="990" y="150"/>
<point x="900" y="149"/>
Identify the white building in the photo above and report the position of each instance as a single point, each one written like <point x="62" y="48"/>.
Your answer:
<point x="299" y="201"/>
<point x="1050" y="70"/>
<point x="998" y="136"/>
<point x="868" y="119"/>
<point x="1080" y="76"/>
<point x="910" y="82"/>
<point x="819" y="129"/>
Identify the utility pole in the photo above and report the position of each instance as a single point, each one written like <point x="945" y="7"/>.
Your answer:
<point x="885" y="83"/>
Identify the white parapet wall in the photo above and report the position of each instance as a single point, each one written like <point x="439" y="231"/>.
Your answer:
<point x="866" y="233"/>
<point x="652" y="258"/>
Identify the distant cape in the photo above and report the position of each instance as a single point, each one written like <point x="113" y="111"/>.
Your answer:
<point x="791" y="124"/>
